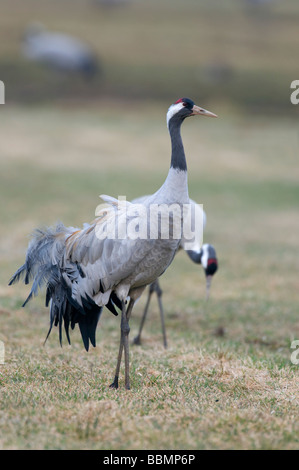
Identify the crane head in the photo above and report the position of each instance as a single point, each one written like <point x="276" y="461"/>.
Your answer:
<point x="210" y="265"/>
<point x="207" y="257"/>
<point x="184" y="107"/>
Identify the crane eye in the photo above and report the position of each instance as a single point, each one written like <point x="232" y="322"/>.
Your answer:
<point x="187" y="103"/>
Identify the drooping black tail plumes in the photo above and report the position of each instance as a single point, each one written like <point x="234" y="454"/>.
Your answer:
<point x="62" y="310"/>
<point x="45" y="265"/>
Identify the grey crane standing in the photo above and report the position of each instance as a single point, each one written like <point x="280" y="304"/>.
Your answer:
<point x="87" y="269"/>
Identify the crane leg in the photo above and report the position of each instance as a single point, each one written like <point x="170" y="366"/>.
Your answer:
<point x="124" y="344"/>
<point x="137" y="339"/>
<point x="159" y="295"/>
<point x="154" y="287"/>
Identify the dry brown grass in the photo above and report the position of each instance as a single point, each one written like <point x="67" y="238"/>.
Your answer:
<point x="186" y="397"/>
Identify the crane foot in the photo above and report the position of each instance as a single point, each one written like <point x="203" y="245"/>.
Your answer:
<point x="114" y="383"/>
<point x="137" y="340"/>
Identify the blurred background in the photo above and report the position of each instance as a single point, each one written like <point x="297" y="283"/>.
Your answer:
<point x="241" y="52"/>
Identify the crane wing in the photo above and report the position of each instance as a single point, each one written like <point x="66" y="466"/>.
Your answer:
<point x="104" y="257"/>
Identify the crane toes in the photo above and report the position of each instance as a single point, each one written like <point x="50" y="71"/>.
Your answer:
<point x="114" y="383"/>
<point x="137" y="340"/>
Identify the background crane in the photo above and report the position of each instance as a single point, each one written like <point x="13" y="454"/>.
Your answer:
<point x="61" y="52"/>
<point x="207" y="258"/>
<point x="204" y="255"/>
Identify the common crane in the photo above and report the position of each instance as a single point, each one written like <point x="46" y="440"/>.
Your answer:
<point x="86" y="269"/>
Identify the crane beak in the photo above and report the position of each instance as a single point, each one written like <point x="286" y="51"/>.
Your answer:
<point x="203" y="112"/>
<point x="208" y="286"/>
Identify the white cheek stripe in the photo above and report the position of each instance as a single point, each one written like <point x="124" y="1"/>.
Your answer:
<point x="205" y="256"/>
<point x="174" y="108"/>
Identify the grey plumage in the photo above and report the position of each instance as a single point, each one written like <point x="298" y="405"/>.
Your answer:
<point x="205" y="255"/>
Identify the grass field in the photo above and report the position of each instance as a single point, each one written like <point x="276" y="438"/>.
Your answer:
<point x="237" y="390"/>
<point x="226" y="380"/>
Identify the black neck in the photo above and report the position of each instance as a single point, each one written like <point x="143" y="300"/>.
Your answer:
<point x="195" y="256"/>
<point x="178" y="159"/>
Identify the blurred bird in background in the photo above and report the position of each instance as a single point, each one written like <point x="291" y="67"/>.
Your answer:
<point x="59" y="51"/>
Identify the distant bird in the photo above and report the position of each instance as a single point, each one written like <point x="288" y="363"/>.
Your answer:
<point x="204" y="255"/>
<point x="61" y="52"/>
<point x="87" y="269"/>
